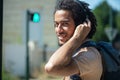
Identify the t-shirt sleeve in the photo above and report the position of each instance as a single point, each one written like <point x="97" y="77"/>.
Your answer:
<point x="89" y="62"/>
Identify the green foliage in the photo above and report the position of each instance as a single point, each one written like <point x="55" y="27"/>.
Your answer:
<point x="103" y="15"/>
<point x="8" y="76"/>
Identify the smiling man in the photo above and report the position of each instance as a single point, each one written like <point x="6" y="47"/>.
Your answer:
<point x="74" y="25"/>
<point x="64" y="26"/>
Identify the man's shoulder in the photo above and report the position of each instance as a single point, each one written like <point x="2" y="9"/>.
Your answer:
<point x="88" y="52"/>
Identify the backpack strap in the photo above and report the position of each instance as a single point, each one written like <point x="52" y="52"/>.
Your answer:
<point x="89" y="44"/>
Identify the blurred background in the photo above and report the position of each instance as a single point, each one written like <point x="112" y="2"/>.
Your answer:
<point x="29" y="38"/>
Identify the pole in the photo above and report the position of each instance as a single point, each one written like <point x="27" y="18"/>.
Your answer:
<point x="110" y="22"/>
<point x="27" y="48"/>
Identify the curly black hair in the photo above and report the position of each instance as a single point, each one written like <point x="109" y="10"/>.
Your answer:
<point x="80" y="12"/>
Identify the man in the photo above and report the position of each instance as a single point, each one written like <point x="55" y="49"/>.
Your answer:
<point x="74" y="25"/>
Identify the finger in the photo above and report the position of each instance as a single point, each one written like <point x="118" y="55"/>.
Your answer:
<point x="88" y="22"/>
<point x="85" y="24"/>
<point x="82" y="26"/>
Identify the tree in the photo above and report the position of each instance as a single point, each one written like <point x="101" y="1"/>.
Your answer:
<point x="103" y="15"/>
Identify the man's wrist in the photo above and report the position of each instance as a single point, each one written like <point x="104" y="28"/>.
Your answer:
<point x="77" y="42"/>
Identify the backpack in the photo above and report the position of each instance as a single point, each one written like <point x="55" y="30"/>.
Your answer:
<point x="110" y="59"/>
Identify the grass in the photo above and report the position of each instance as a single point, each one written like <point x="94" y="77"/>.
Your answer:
<point x="42" y="76"/>
<point x="8" y="76"/>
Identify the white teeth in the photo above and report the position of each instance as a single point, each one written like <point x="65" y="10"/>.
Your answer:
<point x="61" y="36"/>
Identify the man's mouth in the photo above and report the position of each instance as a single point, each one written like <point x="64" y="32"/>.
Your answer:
<point x="61" y="37"/>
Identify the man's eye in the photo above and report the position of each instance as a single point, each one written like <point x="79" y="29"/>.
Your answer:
<point x="55" y="24"/>
<point x="65" y="24"/>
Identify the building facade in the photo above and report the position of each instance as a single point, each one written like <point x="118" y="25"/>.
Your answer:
<point x="14" y="32"/>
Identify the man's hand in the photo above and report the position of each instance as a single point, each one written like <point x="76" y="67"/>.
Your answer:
<point x="82" y="31"/>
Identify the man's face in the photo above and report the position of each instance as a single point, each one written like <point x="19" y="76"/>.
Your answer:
<point x="64" y="25"/>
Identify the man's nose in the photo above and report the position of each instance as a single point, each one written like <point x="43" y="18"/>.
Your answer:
<point x="59" y="28"/>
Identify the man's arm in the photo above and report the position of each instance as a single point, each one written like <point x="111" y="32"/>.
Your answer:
<point x="61" y="62"/>
<point x="62" y="59"/>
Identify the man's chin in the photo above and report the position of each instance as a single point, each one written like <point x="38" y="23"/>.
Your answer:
<point x="60" y="43"/>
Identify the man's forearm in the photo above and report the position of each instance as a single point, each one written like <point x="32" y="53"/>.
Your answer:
<point x="63" y="55"/>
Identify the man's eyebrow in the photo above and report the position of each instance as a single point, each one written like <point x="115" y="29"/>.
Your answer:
<point x="65" y="20"/>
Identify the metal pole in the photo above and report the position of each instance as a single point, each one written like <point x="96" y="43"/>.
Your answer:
<point x="27" y="48"/>
<point x="110" y="22"/>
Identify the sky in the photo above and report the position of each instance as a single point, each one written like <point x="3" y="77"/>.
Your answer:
<point x="114" y="3"/>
